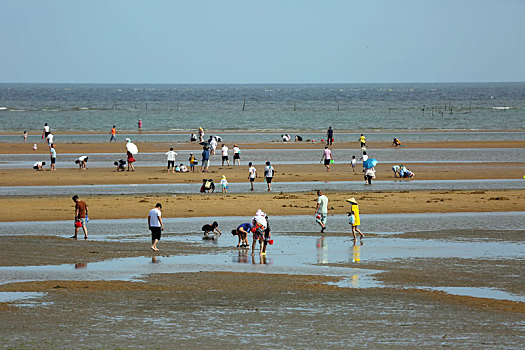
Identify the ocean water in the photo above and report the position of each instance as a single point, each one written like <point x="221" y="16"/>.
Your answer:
<point x="350" y="107"/>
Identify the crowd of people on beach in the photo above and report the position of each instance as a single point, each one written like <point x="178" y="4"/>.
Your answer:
<point x="259" y="224"/>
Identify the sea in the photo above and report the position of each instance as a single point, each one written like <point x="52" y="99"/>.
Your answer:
<point x="277" y="108"/>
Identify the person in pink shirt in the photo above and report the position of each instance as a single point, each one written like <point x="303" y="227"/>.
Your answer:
<point x="327" y="156"/>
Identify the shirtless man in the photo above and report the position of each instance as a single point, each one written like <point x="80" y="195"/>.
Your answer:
<point x="81" y="214"/>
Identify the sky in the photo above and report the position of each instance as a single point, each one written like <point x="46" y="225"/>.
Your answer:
<point x="261" y="41"/>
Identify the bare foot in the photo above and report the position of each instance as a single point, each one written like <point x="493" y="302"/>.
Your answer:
<point x="85" y="237"/>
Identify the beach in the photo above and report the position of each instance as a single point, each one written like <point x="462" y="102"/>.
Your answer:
<point x="439" y="266"/>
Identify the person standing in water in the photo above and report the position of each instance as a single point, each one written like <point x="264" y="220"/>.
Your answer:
<point x="269" y="171"/>
<point x="81" y="214"/>
<point x="25" y="136"/>
<point x="236" y="155"/>
<point x="321" y="210"/>
<point x="139" y="124"/>
<point x="155" y="225"/>
<point x="252" y="174"/>
<point x="357" y="220"/>
<point x="329" y="136"/>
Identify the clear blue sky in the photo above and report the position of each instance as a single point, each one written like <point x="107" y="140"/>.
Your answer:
<point x="262" y="41"/>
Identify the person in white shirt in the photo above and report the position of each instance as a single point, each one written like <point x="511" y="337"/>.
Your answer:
<point x="364" y="158"/>
<point x="155" y="225"/>
<point x="171" y="159"/>
<point x="46" y="131"/>
<point x="321" y="210"/>
<point x="183" y="168"/>
<point x="269" y="171"/>
<point x="82" y="162"/>
<point x="53" y="156"/>
<point x="236" y="155"/>
<point x="213" y="146"/>
<point x="354" y="163"/>
<point x="49" y="139"/>
<point x="252" y="174"/>
<point x="225" y="157"/>
<point x="39" y="166"/>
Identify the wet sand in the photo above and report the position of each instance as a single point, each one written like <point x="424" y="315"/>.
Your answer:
<point x="83" y="148"/>
<point x="284" y="173"/>
<point x="216" y="205"/>
<point x="228" y="310"/>
<point x="232" y="310"/>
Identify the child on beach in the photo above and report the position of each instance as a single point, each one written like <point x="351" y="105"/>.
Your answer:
<point x="39" y="166"/>
<point x="121" y="165"/>
<point x="354" y="163"/>
<point x="224" y="184"/>
<point x="252" y="174"/>
<point x="213" y="228"/>
<point x="207" y="186"/>
<point x="192" y="161"/>
<point x="362" y="139"/>
<point x="82" y="162"/>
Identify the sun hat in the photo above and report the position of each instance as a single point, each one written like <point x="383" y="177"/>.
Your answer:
<point x="223" y="176"/>
<point x="352" y="200"/>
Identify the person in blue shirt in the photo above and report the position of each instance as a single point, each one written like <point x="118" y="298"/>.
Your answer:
<point x="242" y="233"/>
<point x="205" y="159"/>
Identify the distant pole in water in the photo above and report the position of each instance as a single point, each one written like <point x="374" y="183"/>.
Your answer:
<point x="294" y="106"/>
<point x="470" y="105"/>
<point x="244" y="104"/>
<point x="146" y="106"/>
<point x="338" y="105"/>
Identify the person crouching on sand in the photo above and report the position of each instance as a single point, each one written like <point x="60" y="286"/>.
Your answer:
<point x="213" y="228"/>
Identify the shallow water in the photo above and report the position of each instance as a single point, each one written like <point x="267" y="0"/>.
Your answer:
<point x="264" y="136"/>
<point x="244" y="187"/>
<point x="185" y="229"/>
<point x="281" y="156"/>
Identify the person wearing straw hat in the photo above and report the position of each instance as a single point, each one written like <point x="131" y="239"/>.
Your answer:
<point x="236" y="155"/>
<point x="354" y="212"/>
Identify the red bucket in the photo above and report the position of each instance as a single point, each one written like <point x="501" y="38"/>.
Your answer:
<point x="78" y="224"/>
<point x="270" y="242"/>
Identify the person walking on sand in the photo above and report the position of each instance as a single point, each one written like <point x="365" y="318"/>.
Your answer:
<point x="351" y="221"/>
<point x="81" y="215"/>
<point x="357" y="221"/>
<point x="269" y="171"/>
<point x="252" y="174"/>
<point x="321" y="210"/>
<point x="329" y="136"/>
<point x="53" y="156"/>
<point x="113" y="133"/>
<point x="213" y="145"/>
<point x="224" y="151"/>
<point x="370" y="173"/>
<point x="236" y="155"/>
<point x="171" y="160"/>
<point x="155" y="225"/>
<point x="362" y="139"/>
<point x="327" y="156"/>
<point x="205" y="164"/>
<point x="139" y="124"/>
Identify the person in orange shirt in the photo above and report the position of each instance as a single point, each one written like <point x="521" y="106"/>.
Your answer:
<point x="113" y="134"/>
